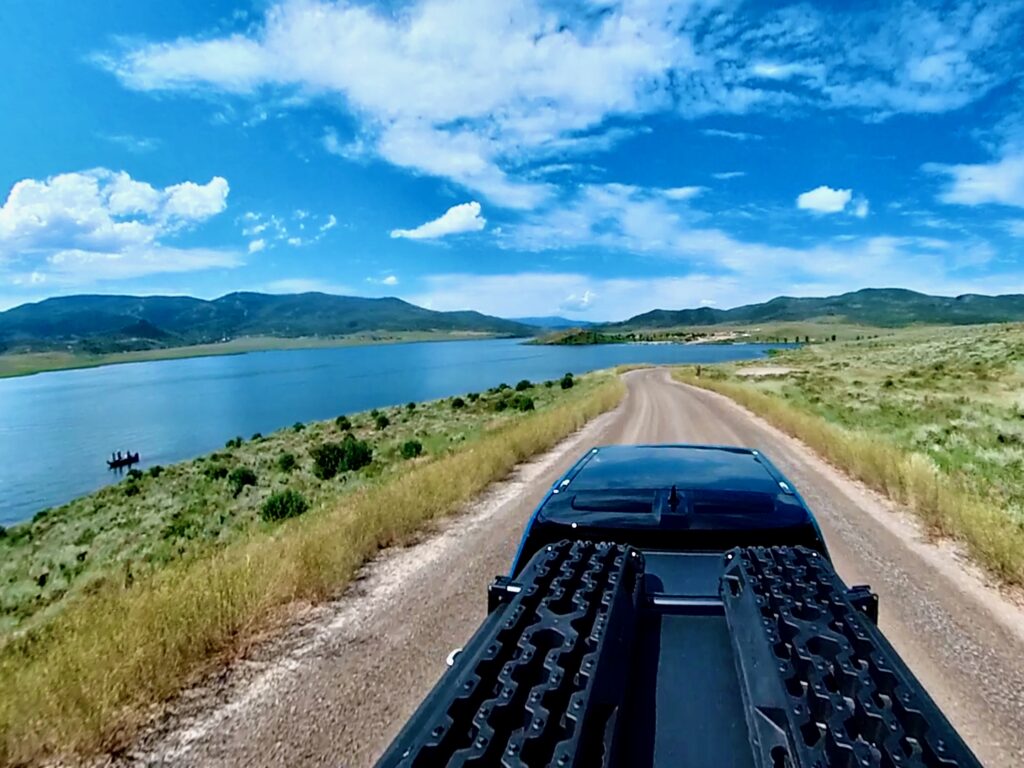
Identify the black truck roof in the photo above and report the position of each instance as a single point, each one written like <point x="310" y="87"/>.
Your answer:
<point x="692" y="497"/>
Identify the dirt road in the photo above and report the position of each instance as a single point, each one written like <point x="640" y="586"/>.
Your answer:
<point x="336" y="687"/>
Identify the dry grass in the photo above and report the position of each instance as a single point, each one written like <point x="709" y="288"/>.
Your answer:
<point x="947" y="506"/>
<point x="85" y="681"/>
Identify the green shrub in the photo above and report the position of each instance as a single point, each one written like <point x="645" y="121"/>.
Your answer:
<point x="135" y="474"/>
<point x="411" y="449"/>
<point x="239" y="478"/>
<point x="326" y="460"/>
<point x="500" y="404"/>
<point x="503" y="386"/>
<point x="131" y="489"/>
<point x="358" y="453"/>
<point x="523" y="385"/>
<point x="347" y="456"/>
<point x="549" y="383"/>
<point x="522" y="403"/>
<point x="215" y="471"/>
<point x="567" y="381"/>
<point x="3" y="532"/>
<point x="286" y="462"/>
<point x="281" y="505"/>
<point x="374" y="413"/>
<point x="410" y="407"/>
<point x="472" y="397"/>
<point x="156" y="470"/>
<point x="343" y="423"/>
<point x="382" y="421"/>
<point x="256" y="436"/>
<point x="458" y="402"/>
<point x="235" y="442"/>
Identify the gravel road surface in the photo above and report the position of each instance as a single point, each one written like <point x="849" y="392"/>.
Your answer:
<point x="334" y="688"/>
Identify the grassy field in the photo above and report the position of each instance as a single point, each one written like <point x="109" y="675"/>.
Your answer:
<point x="933" y="417"/>
<point x="182" y="572"/>
<point x="26" y="363"/>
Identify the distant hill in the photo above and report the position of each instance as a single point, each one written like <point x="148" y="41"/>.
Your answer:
<point x="885" y="307"/>
<point x="552" y="322"/>
<point x="104" y="323"/>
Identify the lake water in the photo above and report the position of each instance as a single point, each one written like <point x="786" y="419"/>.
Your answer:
<point x="57" y="429"/>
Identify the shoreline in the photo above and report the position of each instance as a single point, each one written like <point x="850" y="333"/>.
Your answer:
<point x="19" y="364"/>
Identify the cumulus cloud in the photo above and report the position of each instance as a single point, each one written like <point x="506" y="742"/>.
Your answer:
<point x="457" y="219"/>
<point x="824" y="199"/>
<point x="256" y="246"/>
<point x="386" y="280"/>
<point x="101" y="224"/>
<point x="1001" y="181"/>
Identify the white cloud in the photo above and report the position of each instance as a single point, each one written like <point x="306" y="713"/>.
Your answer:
<point x="1001" y="181"/>
<point x="824" y="199"/>
<point x="257" y="245"/>
<point x="724" y="175"/>
<point x="195" y="202"/>
<point x="735" y="135"/>
<point x="682" y="193"/>
<point x="578" y="303"/>
<point x="77" y="228"/>
<point x="861" y="207"/>
<point x="459" y="218"/>
<point x="386" y="280"/>
<point x="271" y="230"/>
<point x="475" y="92"/>
<point x="134" y="144"/>
<point x="771" y="70"/>
<point x="635" y="220"/>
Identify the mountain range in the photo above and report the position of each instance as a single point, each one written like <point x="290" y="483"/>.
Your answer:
<point x="99" y="323"/>
<point x="884" y="307"/>
<point x="107" y="323"/>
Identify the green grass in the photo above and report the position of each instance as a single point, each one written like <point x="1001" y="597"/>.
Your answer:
<point x="27" y="363"/>
<point x="81" y="679"/>
<point x="933" y="417"/>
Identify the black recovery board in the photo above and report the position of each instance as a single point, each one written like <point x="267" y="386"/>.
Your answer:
<point x="601" y="655"/>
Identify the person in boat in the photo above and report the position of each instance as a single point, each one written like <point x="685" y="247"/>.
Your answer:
<point x="118" y="456"/>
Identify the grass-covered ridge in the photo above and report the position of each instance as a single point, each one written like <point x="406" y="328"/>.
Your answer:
<point x="933" y="417"/>
<point x="83" y="679"/>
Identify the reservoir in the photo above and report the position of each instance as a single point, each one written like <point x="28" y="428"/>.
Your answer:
<point x="57" y="429"/>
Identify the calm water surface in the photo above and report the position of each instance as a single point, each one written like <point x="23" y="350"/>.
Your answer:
<point x="56" y="429"/>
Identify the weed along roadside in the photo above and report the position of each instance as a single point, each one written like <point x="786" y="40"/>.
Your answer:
<point x="929" y="417"/>
<point x="300" y="512"/>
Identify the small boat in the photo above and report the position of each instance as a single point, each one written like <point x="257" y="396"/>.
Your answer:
<point x="127" y="460"/>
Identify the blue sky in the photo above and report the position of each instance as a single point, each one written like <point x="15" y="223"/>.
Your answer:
<point x="591" y="159"/>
